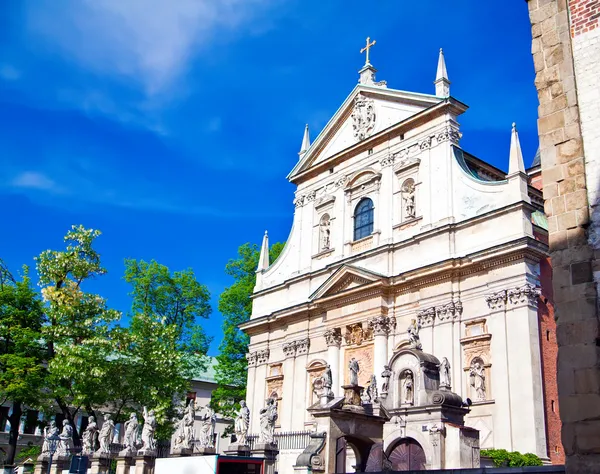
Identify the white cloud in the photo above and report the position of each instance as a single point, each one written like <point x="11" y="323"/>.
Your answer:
<point x="9" y="72"/>
<point x="34" y="180"/>
<point x="149" y="42"/>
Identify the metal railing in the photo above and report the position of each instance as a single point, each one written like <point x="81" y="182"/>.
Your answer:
<point x="285" y="440"/>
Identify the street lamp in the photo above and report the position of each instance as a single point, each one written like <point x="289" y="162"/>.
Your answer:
<point x="52" y="447"/>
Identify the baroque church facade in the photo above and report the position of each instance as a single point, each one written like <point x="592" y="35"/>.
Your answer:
<point x="395" y="225"/>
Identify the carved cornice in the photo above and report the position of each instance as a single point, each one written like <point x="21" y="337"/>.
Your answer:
<point x="296" y="348"/>
<point x="382" y="325"/>
<point x="333" y="337"/>
<point x="527" y="293"/>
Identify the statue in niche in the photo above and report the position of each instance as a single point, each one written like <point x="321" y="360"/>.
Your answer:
<point x="477" y="379"/>
<point x="148" y="441"/>
<point x="325" y="232"/>
<point x="385" y="375"/>
<point x="132" y="431"/>
<point x="413" y="335"/>
<point x="444" y="368"/>
<point x="207" y="428"/>
<point x="51" y="432"/>
<point x="242" y="423"/>
<point x="354" y="369"/>
<point x="408" y="389"/>
<point x="268" y="417"/>
<point x="408" y="196"/>
<point x="88" y="439"/>
<point x="106" y="434"/>
<point x="372" y="393"/>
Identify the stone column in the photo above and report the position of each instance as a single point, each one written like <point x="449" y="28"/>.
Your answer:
<point x="301" y="378"/>
<point x="250" y="387"/>
<point x="381" y="326"/>
<point x="289" y="352"/>
<point x="333" y="338"/>
<point x="260" y="387"/>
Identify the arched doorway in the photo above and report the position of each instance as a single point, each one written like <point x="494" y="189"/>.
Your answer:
<point x="407" y="455"/>
<point x="351" y="454"/>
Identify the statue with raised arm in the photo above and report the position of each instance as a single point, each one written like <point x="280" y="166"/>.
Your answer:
<point x="148" y="441"/>
<point x="413" y="335"/>
<point x="89" y="437"/>
<point x="354" y="369"/>
<point x="372" y="393"/>
<point x="106" y="435"/>
<point x="242" y="423"/>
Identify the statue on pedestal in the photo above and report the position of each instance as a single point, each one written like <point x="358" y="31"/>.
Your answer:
<point x="131" y="436"/>
<point x="207" y="429"/>
<point x="444" y="367"/>
<point x="184" y="438"/>
<point x="242" y="423"/>
<point x="148" y="441"/>
<point x="477" y="377"/>
<point x="354" y="369"/>
<point x="65" y="443"/>
<point x="88" y="439"/>
<point x="51" y="433"/>
<point x="413" y="335"/>
<point x="106" y="434"/>
<point x="268" y="416"/>
<point x="372" y="394"/>
<point x="385" y="375"/>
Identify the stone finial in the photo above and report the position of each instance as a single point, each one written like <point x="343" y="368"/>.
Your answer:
<point x="263" y="260"/>
<point x="515" y="162"/>
<point x="442" y="84"/>
<point x="305" y="142"/>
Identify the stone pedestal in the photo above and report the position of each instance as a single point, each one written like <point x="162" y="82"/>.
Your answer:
<point x="238" y="450"/>
<point x="144" y="464"/>
<point x="100" y="464"/>
<point x="269" y="452"/>
<point x="60" y="464"/>
<point x="182" y="452"/>
<point x="205" y="451"/>
<point x="124" y="464"/>
<point x="352" y="400"/>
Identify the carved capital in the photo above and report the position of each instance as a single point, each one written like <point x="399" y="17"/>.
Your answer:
<point x="251" y="357"/>
<point x="289" y="349"/>
<point x="449" y="311"/>
<point x="302" y="346"/>
<point x="527" y="293"/>
<point x="426" y="317"/>
<point x="299" y="201"/>
<point x="382" y="325"/>
<point x="496" y="300"/>
<point x="387" y="161"/>
<point x="262" y="356"/>
<point x="333" y="337"/>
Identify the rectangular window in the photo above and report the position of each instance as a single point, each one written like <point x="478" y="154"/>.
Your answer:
<point x="31" y="419"/>
<point x="3" y="417"/>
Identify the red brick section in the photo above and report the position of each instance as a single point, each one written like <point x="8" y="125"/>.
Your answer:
<point x="584" y="16"/>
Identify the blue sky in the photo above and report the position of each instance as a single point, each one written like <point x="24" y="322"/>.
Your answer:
<point x="171" y="125"/>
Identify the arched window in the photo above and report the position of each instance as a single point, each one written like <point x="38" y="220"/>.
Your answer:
<point x="363" y="219"/>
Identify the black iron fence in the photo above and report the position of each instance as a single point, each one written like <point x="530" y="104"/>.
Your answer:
<point x="285" y="440"/>
<point x="163" y="448"/>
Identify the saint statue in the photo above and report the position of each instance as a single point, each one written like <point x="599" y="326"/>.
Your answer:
<point x="207" y="428"/>
<point x="407" y="389"/>
<point x="372" y="393"/>
<point x="325" y="233"/>
<point x="354" y="369"/>
<point x="413" y="335"/>
<point x="131" y="434"/>
<point x="88" y="439"/>
<point x="268" y="417"/>
<point x="184" y="438"/>
<point x="385" y="375"/>
<point x="409" y="200"/>
<point x="65" y="443"/>
<point x="242" y="423"/>
<point x="327" y="379"/>
<point x="148" y="442"/>
<point x="106" y="435"/>
<point x="51" y="433"/>
<point x="444" y="368"/>
<point x="477" y="376"/>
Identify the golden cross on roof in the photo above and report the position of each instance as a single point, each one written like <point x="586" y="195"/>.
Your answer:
<point x="366" y="48"/>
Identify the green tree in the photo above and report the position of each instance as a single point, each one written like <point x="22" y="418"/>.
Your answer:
<point x="235" y="305"/>
<point x="22" y="372"/>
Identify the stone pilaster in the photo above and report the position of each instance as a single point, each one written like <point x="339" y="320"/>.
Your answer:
<point x="251" y="388"/>
<point x="333" y="338"/>
<point x="381" y="327"/>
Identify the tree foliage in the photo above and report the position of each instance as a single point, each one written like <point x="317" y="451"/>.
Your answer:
<point x="22" y="374"/>
<point x="235" y="305"/>
<point x="504" y="458"/>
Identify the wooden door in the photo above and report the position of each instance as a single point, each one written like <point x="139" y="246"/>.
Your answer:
<point x="407" y="455"/>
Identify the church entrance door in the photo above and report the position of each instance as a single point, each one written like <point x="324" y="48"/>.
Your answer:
<point x="407" y="455"/>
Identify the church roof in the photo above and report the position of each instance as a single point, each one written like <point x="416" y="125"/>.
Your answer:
<point x="537" y="161"/>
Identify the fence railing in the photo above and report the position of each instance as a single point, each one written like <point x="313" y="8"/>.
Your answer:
<point x="285" y="440"/>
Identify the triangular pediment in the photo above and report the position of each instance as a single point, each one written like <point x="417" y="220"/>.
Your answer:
<point x="345" y="278"/>
<point x="367" y="111"/>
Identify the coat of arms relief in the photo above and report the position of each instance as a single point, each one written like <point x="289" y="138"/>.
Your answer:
<point x="363" y="117"/>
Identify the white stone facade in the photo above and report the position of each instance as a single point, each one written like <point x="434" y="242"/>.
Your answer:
<point x="452" y="246"/>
